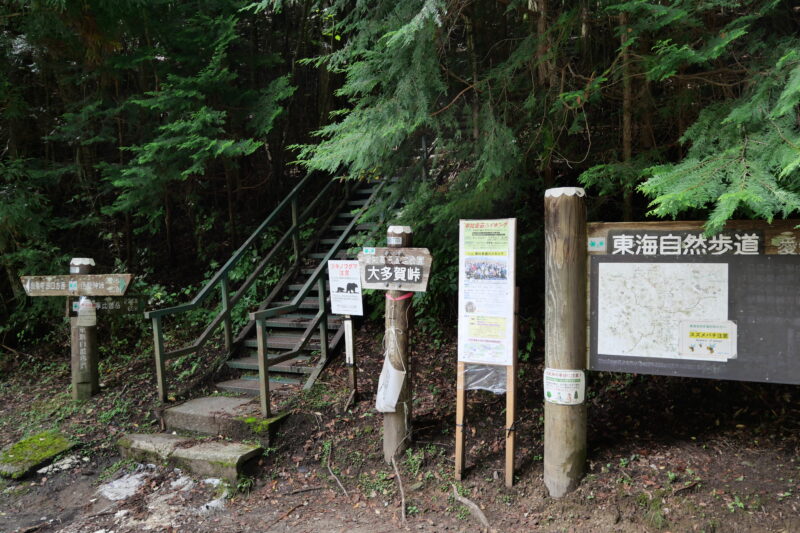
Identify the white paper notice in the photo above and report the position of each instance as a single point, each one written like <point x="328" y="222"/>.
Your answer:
<point x="486" y="280"/>
<point x="564" y="387"/>
<point x="345" y="282"/>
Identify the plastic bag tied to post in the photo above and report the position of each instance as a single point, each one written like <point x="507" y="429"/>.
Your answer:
<point x="485" y="377"/>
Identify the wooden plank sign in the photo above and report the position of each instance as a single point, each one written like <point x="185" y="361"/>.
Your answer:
<point x="77" y="285"/>
<point x="395" y="269"/>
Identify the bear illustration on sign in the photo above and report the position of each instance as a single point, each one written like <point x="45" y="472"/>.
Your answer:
<point x="352" y="288"/>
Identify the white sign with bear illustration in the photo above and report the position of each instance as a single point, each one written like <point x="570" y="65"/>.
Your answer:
<point x="345" y="288"/>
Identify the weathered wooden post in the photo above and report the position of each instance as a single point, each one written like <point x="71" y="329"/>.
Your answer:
<point x="565" y="337"/>
<point x="83" y="333"/>
<point x="397" y="425"/>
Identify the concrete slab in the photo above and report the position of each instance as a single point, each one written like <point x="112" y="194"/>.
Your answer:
<point x="225" y="460"/>
<point x="33" y="452"/>
<point x="146" y="447"/>
<point x="233" y="417"/>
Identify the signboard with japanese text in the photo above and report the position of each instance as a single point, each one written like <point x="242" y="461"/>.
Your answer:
<point x="125" y="305"/>
<point x="345" y="287"/>
<point x="486" y="281"/>
<point x="398" y="269"/>
<point x="77" y="285"/>
<point x="649" y="243"/>
<point x="667" y="299"/>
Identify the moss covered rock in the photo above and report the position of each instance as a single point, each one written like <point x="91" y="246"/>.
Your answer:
<point x="32" y="452"/>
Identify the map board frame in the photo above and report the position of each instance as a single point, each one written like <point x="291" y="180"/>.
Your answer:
<point x="763" y="303"/>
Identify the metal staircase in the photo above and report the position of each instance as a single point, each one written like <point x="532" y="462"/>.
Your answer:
<point x="281" y="346"/>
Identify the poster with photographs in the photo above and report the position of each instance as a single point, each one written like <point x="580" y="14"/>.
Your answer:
<point x="486" y="281"/>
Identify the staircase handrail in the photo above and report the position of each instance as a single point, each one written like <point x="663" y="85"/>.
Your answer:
<point x="294" y="304"/>
<point x="220" y="279"/>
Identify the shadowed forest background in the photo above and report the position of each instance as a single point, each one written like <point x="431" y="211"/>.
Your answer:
<point x="155" y="135"/>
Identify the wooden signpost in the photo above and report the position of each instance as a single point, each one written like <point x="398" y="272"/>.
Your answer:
<point x="400" y="271"/>
<point x="80" y="284"/>
<point x="487" y="325"/>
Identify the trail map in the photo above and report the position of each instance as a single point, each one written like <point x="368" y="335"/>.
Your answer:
<point x="641" y="305"/>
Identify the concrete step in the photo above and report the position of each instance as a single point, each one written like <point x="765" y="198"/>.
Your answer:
<point x="298" y="365"/>
<point x="294" y="287"/>
<point x="224" y="460"/>
<point x="299" y="321"/>
<point x="341" y="254"/>
<point x="284" y="341"/>
<point x="234" y="417"/>
<point x="358" y="203"/>
<point x="308" y="303"/>
<point x="249" y="384"/>
<point x="359" y="227"/>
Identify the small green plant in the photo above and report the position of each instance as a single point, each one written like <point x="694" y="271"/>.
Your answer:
<point x="414" y="460"/>
<point x="412" y="510"/>
<point x="652" y="506"/>
<point x="123" y="465"/>
<point x="244" y="485"/>
<point x="737" y="503"/>
<point x="671" y="477"/>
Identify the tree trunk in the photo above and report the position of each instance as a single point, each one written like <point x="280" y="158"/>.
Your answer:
<point x="627" y="116"/>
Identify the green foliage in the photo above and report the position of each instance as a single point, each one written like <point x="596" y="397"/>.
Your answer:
<point x="744" y="154"/>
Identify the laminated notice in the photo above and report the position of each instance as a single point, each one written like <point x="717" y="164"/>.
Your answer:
<point x="564" y="387"/>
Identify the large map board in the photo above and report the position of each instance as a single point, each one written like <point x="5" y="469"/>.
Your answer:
<point x="639" y="304"/>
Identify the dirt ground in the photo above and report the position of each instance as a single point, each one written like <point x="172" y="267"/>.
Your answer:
<point x="665" y="454"/>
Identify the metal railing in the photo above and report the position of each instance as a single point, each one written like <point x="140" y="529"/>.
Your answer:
<point x="221" y="280"/>
<point x="320" y="319"/>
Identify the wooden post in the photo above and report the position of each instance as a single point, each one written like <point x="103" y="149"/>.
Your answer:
<point x="511" y="401"/>
<point x="565" y="333"/>
<point x="397" y="425"/>
<point x="350" y="357"/>
<point x="83" y="333"/>
<point x="461" y="404"/>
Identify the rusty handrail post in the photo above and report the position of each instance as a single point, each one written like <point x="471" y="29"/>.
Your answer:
<point x="323" y="324"/>
<point x="158" y="352"/>
<point x="226" y="309"/>
<point x="295" y="231"/>
<point x="263" y="366"/>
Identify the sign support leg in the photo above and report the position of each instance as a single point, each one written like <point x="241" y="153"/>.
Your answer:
<point x="461" y="404"/>
<point x="565" y="334"/>
<point x="350" y="358"/>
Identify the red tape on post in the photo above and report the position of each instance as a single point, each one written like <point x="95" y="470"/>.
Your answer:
<point x="406" y="296"/>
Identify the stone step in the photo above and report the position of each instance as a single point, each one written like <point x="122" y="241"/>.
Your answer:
<point x="234" y="417"/>
<point x="249" y="384"/>
<point x="298" y="365"/>
<point x="224" y="460"/>
<point x="346" y="214"/>
<point x="359" y="202"/>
